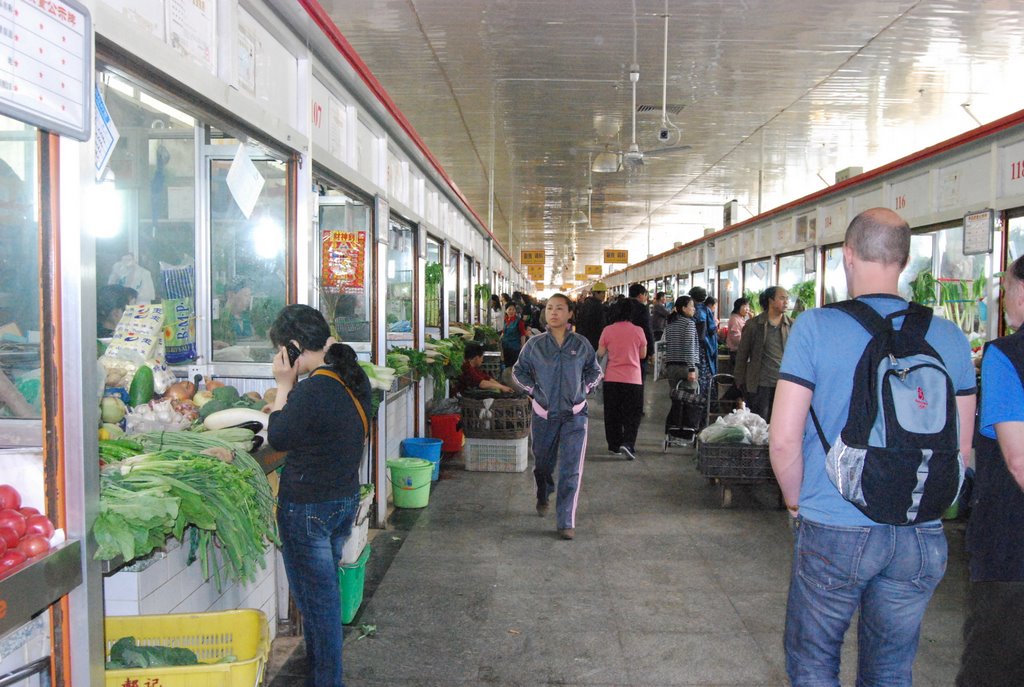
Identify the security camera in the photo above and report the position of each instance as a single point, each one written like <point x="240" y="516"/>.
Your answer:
<point x="663" y="134"/>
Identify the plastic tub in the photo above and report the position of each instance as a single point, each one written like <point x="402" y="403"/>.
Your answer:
<point x="427" y="449"/>
<point x="448" y="428"/>
<point x="410" y="481"/>
<point x="351" y="580"/>
<point x="242" y="634"/>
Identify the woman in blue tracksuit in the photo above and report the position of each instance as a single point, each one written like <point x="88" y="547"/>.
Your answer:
<point x="558" y="369"/>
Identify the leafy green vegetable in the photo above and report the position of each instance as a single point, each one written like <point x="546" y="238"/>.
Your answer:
<point x="147" y="497"/>
<point x="125" y="653"/>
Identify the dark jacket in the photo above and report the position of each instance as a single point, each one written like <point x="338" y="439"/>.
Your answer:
<point x="641" y="317"/>
<point x="590" y="320"/>
<point x="750" y="353"/>
<point x="659" y="318"/>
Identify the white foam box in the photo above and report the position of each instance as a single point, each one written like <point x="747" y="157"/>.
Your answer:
<point x="355" y="542"/>
<point x="496" y="455"/>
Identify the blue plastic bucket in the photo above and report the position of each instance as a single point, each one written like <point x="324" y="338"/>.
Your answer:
<point x="427" y="449"/>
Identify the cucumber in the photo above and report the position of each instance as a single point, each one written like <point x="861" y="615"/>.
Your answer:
<point x="141" y="390"/>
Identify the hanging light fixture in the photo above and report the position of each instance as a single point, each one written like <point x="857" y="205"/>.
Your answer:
<point x="605" y="162"/>
<point x="578" y="217"/>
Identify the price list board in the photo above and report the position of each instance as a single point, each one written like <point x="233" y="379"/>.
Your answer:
<point x="45" y="53"/>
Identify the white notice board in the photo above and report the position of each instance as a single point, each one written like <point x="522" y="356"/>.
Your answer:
<point x="978" y="228"/>
<point x="45" y="57"/>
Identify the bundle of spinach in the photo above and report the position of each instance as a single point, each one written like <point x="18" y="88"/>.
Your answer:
<point x="148" y="497"/>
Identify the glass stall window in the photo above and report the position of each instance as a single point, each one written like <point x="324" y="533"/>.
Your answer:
<point x="345" y="224"/>
<point x="148" y="195"/>
<point x="961" y="282"/>
<point x="465" y="286"/>
<point x="756" y="274"/>
<point x="728" y="289"/>
<point x="916" y="281"/>
<point x="400" y="310"/>
<point x="247" y="261"/>
<point x="834" y="278"/>
<point x="20" y="287"/>
<point x="699" y="278"/>
<point x="434" y="281"/>
<point x="801" y="284"/>
<point x="682" y="285"/>
<point x="1014" y="239"/>
<point x="451" y="284"/>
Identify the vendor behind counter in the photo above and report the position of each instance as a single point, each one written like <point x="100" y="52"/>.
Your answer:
<point x="473" y="376"/>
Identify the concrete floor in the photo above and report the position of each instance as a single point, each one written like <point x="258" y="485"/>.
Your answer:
<point x="662" y="586"/>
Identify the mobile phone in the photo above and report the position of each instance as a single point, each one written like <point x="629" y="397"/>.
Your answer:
<point x="293" y="353"/>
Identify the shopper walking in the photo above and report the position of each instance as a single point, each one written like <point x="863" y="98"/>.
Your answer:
<point x="993" y="644"/>
<point x="321" y="423"/>
<point x="706" y="328"/>
<point x="844" y="561"/>
<point x="682" y="364"/>
<point x="759" y="354"/>
<point x="590" y="315"/>
<point x="496" y="314"/>
<point x="737" y="320"/>
<point x="625" y="345"/>
<point x="513" y="335"/>
<point x="659" y="316"/>
<point x="558" y="369"/>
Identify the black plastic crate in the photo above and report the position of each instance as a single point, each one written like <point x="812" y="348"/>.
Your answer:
<point x="734" y="462"/>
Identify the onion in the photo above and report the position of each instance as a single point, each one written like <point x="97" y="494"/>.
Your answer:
<point x="9" y="497"/>
<point x="14" y="520"/>
<point x="33" y="545"/>
<point x="181" y="391"/>
<point x="9" y="537"/>
<point x="39" y="524"/>
<point x="10" y="560"/>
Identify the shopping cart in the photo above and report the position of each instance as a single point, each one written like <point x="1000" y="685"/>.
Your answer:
<point x="685" y="417"/>
<point x="721" y="397"/>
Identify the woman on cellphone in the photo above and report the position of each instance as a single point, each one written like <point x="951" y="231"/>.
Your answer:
<point x="321" y="422"/>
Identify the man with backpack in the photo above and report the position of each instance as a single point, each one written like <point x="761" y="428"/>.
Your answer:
<point x="873" y="410"/>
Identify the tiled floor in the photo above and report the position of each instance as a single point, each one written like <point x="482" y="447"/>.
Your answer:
<point x="662" y="586"/>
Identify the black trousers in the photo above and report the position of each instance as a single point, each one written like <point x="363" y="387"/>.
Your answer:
<point x="761" y="401"/>
<point x="993" y="644"/>
<point x="623" y="404"/>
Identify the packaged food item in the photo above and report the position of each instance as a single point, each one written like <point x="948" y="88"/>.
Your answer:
<point x="179" y="331"/>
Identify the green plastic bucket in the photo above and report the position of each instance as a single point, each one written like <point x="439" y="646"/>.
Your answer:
<point x="410" y="481"/>
<point x="351" y="580"/>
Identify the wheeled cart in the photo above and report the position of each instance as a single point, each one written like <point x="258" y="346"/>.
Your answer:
<point x="685" y="418"/>
<point x="727" y="465"/>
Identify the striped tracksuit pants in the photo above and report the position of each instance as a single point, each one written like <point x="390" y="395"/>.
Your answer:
<point x="560" y="442"/>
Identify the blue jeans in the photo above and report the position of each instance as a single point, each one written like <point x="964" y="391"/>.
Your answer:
<point x="888" y="572"/>
<point x="312" y="537"/>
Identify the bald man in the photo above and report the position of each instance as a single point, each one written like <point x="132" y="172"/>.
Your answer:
<point x="842" y="560"/>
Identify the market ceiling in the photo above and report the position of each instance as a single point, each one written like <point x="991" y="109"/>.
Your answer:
<point x="772" y="98"/>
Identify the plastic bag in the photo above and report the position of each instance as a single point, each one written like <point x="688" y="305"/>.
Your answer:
<point x="179" y="332"/>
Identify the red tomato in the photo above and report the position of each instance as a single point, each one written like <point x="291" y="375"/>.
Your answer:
<point x="9" y="497"/>
<point x="33" y="545"/>
<point x="13" y="519"/>
<point x="9" y="537"/>
<point x="28" y="510"/>
<point x="10" y="560"/>
<point x="3" y="547"/>
<point x="39" y="524"/>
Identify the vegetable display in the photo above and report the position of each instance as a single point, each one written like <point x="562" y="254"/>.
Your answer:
<point x="160" y="484"/>
<point x="24" y="532"/>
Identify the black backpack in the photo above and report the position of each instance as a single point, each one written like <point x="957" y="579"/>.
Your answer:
<point x="898" y="456"/>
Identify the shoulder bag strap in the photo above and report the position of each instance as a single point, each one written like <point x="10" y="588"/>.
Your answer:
<point x="355" y="401"/>
<point x="865" y="315"/>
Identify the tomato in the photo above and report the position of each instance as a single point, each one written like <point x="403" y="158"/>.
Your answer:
<point x="10" y="560"/>
<point x="33" y="545"/>
<point x="14" y="520"/>
<point x="3" y="547"/>
<point x="9" y="497"/>
<point x="28" y="510"/>
<point x="9" y="537"/>
<point x="39" y="524"/>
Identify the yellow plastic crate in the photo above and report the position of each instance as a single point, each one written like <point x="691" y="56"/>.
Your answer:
<point x="242" y="634"/>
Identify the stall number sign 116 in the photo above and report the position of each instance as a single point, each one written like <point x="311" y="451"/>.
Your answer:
<point x="1017" y="170"/>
